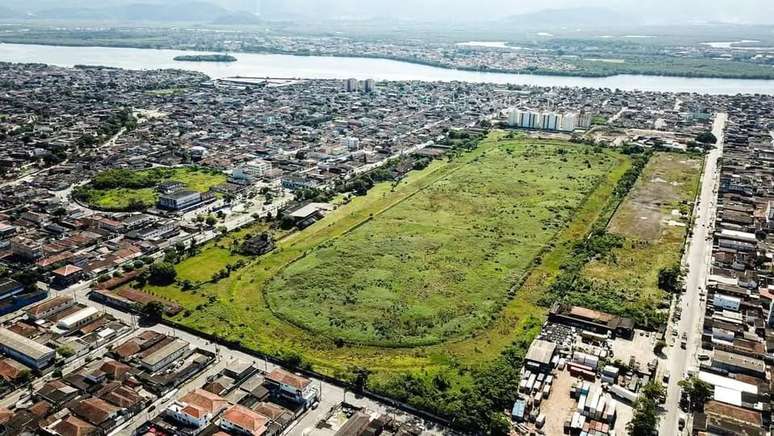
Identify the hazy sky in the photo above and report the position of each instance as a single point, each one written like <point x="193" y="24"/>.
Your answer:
<point x="683" y="10"/>
<point x="735" y="11"/>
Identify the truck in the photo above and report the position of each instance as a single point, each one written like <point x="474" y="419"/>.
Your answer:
<point x="623" y="393"/>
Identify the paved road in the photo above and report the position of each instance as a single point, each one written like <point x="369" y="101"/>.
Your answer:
<point x="697" y="259"/>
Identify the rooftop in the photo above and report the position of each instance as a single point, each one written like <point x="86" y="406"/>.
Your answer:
<point x="23" y="345"/>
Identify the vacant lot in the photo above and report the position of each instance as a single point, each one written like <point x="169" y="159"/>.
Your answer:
<point x="505" y="214"/>
<point x="121" y="190"/>
<point x="439" y="263"/>
<point x="652" y="221"/>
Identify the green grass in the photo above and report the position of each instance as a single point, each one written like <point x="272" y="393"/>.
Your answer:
<point x="479" y="220"/>
<point x="438" y="264"/>
<point x="123" y="198"/>
<point x="646" y="220"/>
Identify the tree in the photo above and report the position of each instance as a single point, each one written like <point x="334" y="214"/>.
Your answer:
<point x="287" y="222"/>
<point x="698" y="391"/>
<point x="706" y="138"/>
<point x="25" y="376"/>
<point x="162" y="274"/>
<point x="211" y="220"/>
<point x="153" y="310"/>
<point x="660" y="345"/>
<point x="28" y="278"/>
<point x="670" y="279"/>
<point x="654" y="391"/>
<point x="645" y="419"/>
<point x="65" y="351"/>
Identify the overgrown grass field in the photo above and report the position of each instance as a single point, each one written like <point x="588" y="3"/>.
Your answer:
<point x="652" y="222"/>
<point x="414" y="278"/>
<point x="134" y="190"/>
<point x="439" y="263"/>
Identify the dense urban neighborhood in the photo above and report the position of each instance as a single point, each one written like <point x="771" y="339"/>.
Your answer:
<point x="187" y="255"/>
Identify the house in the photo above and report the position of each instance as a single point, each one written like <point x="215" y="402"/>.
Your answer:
<point x="291" y="386"/>
<point x="50" y="307"/>
<point x="25" y="350"/>
<point x="72" y="426"/>
<point x="95" y="411"/>
<point x="197" y="408"/>
<point x="11" y="370"/>
<point x="67" y="276"/>
<point x="258" y="245"/>
<point x="57" y="392"/>
<point x="26" y="248"/>
<point x="278" y="414"/>
<point x="241" y="420"/>
<point x="116" y="370"/>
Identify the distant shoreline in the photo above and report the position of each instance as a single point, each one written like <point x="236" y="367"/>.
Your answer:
<point x="408" y="60"/>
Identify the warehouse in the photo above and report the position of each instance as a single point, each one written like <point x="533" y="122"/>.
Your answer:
<point x="25" y="350"/>
<point x="78" y="319"/>
<point x="164" y="355"/>
<point x="539" y="355"/>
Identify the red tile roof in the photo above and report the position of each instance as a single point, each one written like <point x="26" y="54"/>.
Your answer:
<point x="246" y="419"/>
<point x="283" y="377"/>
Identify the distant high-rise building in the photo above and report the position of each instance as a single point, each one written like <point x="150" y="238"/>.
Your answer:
<point x="584" y="120"/>
<point x="566" y="122"/>
<point x="569" y="122"/>
<point x="351" y="85"/>
<point x="351" y="143"/>
<point x="369" y="85"/>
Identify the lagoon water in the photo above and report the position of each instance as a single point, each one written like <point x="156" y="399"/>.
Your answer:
<point x="327" y="67"/>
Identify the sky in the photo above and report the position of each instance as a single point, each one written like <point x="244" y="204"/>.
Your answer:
<point x="736" y="11"/>
<point x="655" y="11"/>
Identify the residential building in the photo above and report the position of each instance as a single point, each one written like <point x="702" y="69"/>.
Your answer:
<point x="351" y="85"/>
<point x="294" y="387"/>
<point x="242" y="420"/>
<point x="197" y="408"/>
<point x="67" y="276"/>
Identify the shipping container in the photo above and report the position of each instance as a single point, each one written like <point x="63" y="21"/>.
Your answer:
<point x="601" y="408"/>
<point x="611" y="411"/>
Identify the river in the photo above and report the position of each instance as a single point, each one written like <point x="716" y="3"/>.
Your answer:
<point x="326" y="67"/>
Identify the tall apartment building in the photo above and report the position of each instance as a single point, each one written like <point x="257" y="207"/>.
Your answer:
<point x="351" y="85"/>
<point x="566" y="122"/>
